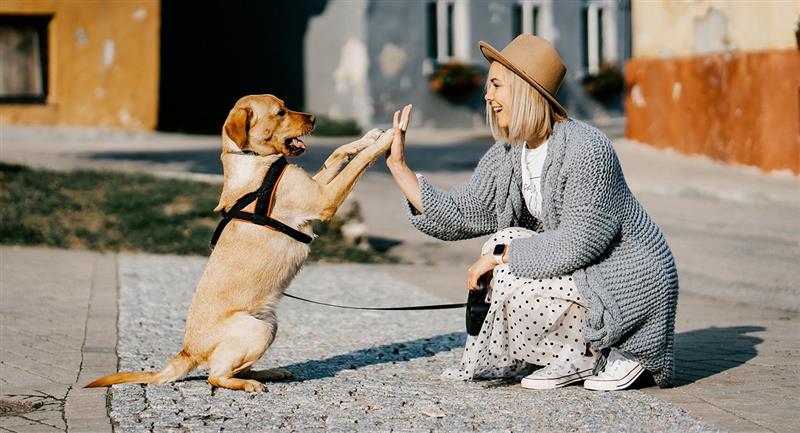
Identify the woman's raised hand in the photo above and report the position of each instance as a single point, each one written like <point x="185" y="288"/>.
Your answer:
<point x="396" y="160"/>
<point x="396" y="153"/>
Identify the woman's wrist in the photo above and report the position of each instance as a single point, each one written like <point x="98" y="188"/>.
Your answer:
<point x="393" y="164"/>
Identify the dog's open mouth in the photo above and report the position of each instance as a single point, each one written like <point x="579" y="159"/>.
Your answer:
<point x="295" y="145"/>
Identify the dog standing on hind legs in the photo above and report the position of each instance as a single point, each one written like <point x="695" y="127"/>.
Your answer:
<point x="231" y="321"/>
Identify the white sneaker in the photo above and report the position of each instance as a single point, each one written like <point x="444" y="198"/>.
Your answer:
<point x="621" y="370"/>
<point x="555" y="376"/>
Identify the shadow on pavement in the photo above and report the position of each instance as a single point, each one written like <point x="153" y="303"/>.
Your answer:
<point x="699" y="354"/>
<point x="705" y="352"/>
<point x="394" y="352"/>
<point x="456" y="157"/>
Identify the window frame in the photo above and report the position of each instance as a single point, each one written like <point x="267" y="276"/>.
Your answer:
<point x="41" y="22"/>
<point x="451" y="29"/>
<point x="600" y="38"/>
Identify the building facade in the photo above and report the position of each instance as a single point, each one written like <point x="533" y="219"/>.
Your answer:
<point x="79" y="63"/>
<point x="717" y="78"/>
<point x="365" y="59"/>
<point x="145" y="64"/>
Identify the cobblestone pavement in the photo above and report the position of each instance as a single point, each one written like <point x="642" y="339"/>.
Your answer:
<point x="353" y="371"/>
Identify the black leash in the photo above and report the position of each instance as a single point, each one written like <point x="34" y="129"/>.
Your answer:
<point x="264" y="199"/>
<point x="414" y="307"/>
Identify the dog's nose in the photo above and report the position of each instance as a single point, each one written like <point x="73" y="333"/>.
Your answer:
<point x="312" y="119"/>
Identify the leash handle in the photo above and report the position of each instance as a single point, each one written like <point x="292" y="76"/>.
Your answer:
<point x="414" y="307"/>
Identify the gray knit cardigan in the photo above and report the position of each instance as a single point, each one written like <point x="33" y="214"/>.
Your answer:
<point x="593" y="228"/>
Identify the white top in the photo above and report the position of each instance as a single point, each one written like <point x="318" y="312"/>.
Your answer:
<point x="532" y="161"/>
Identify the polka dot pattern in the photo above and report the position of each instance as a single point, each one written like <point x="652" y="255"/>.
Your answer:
<point x="530" y="321"/>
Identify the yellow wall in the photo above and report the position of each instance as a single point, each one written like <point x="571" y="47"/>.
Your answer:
<point x="103" y="64"/>
<point x="666" y="28"/>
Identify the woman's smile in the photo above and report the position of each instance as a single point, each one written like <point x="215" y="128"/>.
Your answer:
<point x="498" y="94"/>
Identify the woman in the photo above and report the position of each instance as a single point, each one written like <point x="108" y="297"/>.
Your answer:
<point x="583" y="282"/>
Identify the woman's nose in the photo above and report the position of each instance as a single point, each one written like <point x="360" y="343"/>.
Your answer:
<point x="488" y="96"/>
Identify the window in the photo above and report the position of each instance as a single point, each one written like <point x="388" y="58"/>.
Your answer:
<point x="448" y="30"/>
<point x="598" y="27"/>
<point x="23" y="51"/>
<point x="527" y="18"/>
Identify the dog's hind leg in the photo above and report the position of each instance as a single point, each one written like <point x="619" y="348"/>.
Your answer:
<point x="245" y="340"/>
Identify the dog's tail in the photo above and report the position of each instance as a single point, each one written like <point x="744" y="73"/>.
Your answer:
<point x="180" y="365"/>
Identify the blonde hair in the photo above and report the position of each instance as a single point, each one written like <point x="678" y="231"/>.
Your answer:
<point x="532" y="116"/>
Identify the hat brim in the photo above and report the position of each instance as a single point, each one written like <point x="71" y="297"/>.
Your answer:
<point x="492" y="55"/>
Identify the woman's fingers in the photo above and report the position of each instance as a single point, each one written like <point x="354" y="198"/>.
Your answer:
<point x="405" y="118"/>
<point x="396" y="119"/>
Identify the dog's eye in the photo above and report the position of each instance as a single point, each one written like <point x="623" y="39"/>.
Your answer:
<point x="281" y="112"/>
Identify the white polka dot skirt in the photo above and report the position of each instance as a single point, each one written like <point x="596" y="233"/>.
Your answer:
<point x="530" y="322"/>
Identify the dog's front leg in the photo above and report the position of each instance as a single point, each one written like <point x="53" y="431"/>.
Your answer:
<point x="343" y="154"/>
<point x="335" y="192"/>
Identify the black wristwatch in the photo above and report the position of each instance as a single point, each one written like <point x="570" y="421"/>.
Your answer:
<point x="499" y="251"/>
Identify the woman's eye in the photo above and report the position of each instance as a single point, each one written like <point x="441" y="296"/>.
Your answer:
<point x="281" y="113"/>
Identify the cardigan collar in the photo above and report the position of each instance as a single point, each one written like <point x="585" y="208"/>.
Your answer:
<point x="509" y="209"/>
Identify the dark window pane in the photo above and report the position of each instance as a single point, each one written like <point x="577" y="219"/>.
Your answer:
<point x="449" y="30"/>
<point x="600" y="58"/>
<point x="23" y="50"/>
<point x="516" y="20"/>
<point x="433" y="51"/>
<point x="535" y="20"/>
<point x="585" y="38"/>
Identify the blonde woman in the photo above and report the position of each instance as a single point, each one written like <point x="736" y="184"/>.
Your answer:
<point x="583" y="283"/>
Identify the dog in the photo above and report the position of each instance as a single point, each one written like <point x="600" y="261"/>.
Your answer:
<point x="231" y="321"/>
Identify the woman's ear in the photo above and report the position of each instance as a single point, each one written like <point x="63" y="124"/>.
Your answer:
<point x="237" y="125"/>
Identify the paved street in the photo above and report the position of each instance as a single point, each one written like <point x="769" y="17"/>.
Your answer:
<point x="354" y="371"/>
<point x="733" y="230"/>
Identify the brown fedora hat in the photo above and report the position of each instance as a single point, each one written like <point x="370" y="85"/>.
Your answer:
<point x="535" y="60"/>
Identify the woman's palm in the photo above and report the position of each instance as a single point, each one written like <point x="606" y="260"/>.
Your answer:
<point x="396" y="152"/>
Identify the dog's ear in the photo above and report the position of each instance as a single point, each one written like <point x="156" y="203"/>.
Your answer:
<point x="237" y="125"/>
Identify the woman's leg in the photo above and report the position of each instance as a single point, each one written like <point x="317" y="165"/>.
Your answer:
<point x="529" y="322"/>
<point x="483" y="357"/>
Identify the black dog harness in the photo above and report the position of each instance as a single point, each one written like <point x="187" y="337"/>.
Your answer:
<point x="264" y="197"/>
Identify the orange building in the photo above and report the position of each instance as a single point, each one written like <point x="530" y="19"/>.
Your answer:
<point x="717" y="78"/>
<point x="80" y="62"/>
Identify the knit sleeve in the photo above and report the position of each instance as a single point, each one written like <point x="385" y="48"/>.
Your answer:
<point x="588" y="222"/>
<point x="465" y="211"/>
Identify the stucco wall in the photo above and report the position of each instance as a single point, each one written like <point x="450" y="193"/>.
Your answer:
<point x="103" y="64"/>
<point x="666" y="28"/>
<point x="734" y="107"/>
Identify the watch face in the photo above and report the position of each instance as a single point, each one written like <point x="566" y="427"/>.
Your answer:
<point x="499" y="249"/>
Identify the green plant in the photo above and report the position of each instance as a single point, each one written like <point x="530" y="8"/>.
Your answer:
<point x="606" y="84"/>
<point x="455" y="80"/>
<point x="113" y="211"/>
<point x="325" y="126"/>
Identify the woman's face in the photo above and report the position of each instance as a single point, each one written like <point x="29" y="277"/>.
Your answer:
<point x="498" y="94"/>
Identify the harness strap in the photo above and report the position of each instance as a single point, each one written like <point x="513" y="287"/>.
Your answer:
<point x="264" y="197"/>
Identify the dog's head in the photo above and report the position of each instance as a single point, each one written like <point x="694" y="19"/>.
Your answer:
<point x="262" y="124"/>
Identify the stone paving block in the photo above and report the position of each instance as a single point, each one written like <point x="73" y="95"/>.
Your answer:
<point x="369" y="372"/>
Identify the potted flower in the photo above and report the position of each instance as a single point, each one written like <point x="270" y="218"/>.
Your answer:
<point x="455" y="80"/>
<point x="606" y="84"/>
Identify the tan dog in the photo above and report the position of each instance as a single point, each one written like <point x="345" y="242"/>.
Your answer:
<point x="231" y="321"/>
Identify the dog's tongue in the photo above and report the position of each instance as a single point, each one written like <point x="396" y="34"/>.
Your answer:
<point x="296" y="142"/>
